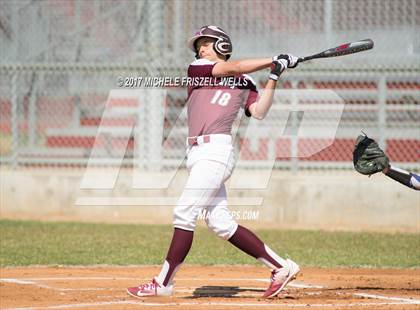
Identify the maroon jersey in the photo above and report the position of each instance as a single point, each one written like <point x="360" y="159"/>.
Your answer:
<point x="214" y="103"/>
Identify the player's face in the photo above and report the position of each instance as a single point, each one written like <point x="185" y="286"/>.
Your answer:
<point x="205" y="48"/>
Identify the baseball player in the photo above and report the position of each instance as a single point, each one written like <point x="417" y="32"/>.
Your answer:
<point x="369" y="158"/>
<point x="212" y="110"/>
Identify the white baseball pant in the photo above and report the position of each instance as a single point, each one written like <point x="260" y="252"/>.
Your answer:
<point x="209" y="165"/>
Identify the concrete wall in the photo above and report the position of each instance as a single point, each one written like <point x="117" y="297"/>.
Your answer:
<point x="329" y="200"/>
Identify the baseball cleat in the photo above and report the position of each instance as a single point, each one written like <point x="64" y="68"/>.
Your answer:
<point x="151" y="288"/>
<point x="280" y="277"/>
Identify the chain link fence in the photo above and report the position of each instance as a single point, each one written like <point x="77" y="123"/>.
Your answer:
<point x="60" y="101"/>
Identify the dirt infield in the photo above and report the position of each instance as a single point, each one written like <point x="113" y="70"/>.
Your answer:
<point x="208" y="287"/>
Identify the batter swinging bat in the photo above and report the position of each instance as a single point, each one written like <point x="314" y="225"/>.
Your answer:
<point x="344" y="49"/>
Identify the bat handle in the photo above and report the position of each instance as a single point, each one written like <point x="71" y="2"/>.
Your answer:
<point x="301" y="59"/>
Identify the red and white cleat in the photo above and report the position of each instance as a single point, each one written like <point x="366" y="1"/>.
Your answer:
<point x="280" y="277"/>
<point x="151" y="288"/>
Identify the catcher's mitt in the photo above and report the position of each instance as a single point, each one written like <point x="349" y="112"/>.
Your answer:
<point x="368" y="158"/>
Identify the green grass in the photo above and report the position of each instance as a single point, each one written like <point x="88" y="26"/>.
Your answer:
<point x="28" y="243"/>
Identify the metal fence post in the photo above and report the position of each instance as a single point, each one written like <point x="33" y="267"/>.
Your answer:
<point x="155" y="125"/>
<point x="32" y="116"/>
<point x="15" y="120"/>
<point x="328" y="12"/>
<point x="153" y="104"/>
<point x="141" y="134"/>
<point x="177" y="39"/>
<point x="382" y="112"/>
<point x="295" y="123"/>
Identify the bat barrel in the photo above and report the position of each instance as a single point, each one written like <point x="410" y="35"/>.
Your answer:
<point x="349" y="48"/>
<point x="344" y="49"/>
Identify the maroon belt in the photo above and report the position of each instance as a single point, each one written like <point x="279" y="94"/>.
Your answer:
<point x="198" y="140"/>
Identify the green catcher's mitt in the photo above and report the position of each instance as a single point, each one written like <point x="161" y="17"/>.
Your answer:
<point x="368" y="158"/>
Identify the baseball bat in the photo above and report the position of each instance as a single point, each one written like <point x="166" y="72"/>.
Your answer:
<point x="343" y="49"/>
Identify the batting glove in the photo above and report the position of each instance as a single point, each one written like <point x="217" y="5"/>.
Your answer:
<point x="292" y="61"/>
<point x="277" y="68"/>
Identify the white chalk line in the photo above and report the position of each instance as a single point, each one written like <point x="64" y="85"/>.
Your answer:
<point x="294" y="284"/>
<point x="29" y="281"/>
<point x="224" y="304"/>
<point x="178" y="289"/>
<point x="244" y="291"/>
<point x="76" y="278"/>
<point x="406" y="300"/>
<point x="303" y="285"/>
<point x="142" y="279"/>
<point x="26" y="282"/>
<point x="212" y="291"/>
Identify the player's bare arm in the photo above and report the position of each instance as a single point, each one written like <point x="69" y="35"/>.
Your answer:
<point x="244" y="66"/>
<point x="227" y="68"/>
<point x="259" y="109"/>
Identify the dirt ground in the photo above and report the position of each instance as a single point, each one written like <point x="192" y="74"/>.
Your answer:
<point x="207" y="287"/>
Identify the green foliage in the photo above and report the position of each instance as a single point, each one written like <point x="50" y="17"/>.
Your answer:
<point x="38" y="243"/>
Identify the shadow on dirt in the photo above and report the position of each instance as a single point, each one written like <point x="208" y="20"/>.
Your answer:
<point x="223" y="291"/>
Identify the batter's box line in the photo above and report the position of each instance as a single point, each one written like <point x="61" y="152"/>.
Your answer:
<point x="216" y="304"/>
<point x="374" y="296"/>
<point x="26" y="282"/>
<point x="32" y="280"/>
<point x="179" y="289"/>
<point x="393" y="300"/>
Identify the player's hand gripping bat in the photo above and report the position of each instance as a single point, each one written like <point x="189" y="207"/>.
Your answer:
<point x="344" y="49"/>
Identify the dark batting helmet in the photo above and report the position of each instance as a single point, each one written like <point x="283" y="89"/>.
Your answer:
<point x="223" y="45"/>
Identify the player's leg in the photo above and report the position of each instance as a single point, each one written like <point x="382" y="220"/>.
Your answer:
<point x="202" y="185"/>
<point x="162" y="285"/>
<point x="178" y="250"/>
<point x="218" y="217"/>
<point x="220" y="221"/>
<point x="282" y="270"/>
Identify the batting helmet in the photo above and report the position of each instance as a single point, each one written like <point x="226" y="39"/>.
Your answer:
<point x="223" y="45"/>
